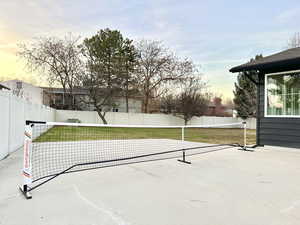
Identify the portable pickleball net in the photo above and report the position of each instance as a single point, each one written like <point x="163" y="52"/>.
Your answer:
<point x="52" y="148"/>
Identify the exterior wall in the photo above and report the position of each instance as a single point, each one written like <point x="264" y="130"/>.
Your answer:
<point x="276" y="131"/>
<point x="27" y="91"/>
<point x="135" y="105"/>
<point x="13" y="113"/>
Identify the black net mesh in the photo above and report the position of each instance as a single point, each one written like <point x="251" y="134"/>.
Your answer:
<point x="57" y="148"/>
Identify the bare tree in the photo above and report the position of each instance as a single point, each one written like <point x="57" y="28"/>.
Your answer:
<point x="294" y="41"/>
<point x="192" y="101"/>
<point x="59" y="59"/>
<point x="168" y="104"/>
<point x="156" y="68"/>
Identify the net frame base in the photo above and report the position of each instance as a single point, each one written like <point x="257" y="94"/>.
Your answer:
<point x="183" y="159"/>
<point x="25" y="190"/>
<point x="247" y="149"/>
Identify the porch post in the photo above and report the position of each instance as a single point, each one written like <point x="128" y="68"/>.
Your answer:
<point x="259" y="107"/>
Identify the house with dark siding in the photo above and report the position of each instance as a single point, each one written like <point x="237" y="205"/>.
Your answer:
<point x="278" y="82"/>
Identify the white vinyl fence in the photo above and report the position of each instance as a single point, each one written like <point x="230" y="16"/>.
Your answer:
<point x="207" y="120"/>
<point x="145" y="119"/>
<point x="119" y="118"/>
<point x="14" y="112"/>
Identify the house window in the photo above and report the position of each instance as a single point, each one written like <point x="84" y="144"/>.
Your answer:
<point x="282" y="94"/>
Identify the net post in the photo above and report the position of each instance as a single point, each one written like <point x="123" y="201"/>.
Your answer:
<point x="183" y="158"/>
<point x="183" y="152"/>
<point x="244" y="147"/>
<point x="27" y="151"/>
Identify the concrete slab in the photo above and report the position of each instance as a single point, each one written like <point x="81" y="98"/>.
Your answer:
<point x="228" y="187"/>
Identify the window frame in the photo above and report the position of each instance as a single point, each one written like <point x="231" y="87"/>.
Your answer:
<point x="266" y="95"/>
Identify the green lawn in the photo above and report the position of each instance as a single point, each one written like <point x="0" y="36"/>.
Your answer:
<point x="206" y="135"/>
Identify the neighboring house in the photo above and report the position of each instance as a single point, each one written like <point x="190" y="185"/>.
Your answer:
<point x="278" y="94"/>
<point x="154" y="106"/>
<point x="216" y="108"/>
<point x="2" y="87"/>
<point x="25" y="90"/>
<point x="56" y="98"/>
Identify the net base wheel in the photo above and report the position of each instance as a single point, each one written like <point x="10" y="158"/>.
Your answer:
<point x="246" y="149"/>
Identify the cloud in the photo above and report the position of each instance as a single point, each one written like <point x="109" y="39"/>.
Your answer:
<point x="215" y="34"/>
<point x="289" y="15"/>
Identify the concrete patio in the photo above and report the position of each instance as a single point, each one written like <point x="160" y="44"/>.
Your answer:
<point x="228" y="187"/>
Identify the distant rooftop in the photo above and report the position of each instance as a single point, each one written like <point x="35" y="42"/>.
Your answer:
<point x="3" y="87"/>
<point x="54" y="90"/>
<point x="85" y="91"/>
<point x="15" y="81"/>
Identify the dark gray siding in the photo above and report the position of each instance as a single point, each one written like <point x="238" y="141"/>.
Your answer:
<point x="276" y="131"/>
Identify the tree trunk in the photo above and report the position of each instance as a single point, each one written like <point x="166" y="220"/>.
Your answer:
<point x="126" y="96"/>
<point x="102" y="117"/>
<point x="185" y="121"/>
<point x="146" y="102"/>
<point x="127" y="108"/>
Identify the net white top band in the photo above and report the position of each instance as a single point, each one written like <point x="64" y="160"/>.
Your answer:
<point x="138" y="126"/>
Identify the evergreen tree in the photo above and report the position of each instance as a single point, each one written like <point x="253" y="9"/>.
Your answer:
<point x="109" y="59"/>
<point x="245" y="94"/>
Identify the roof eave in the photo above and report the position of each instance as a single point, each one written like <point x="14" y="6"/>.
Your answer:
<point x="4" y="87"/>
<point x="289" y="64"/>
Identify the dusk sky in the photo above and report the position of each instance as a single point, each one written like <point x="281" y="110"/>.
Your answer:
<point x="216" y="35"/>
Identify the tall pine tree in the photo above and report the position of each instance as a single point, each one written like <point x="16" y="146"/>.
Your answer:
<point x="245" y="94"/>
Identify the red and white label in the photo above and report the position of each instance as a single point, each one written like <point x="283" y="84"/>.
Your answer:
<point x="27" y="155"/>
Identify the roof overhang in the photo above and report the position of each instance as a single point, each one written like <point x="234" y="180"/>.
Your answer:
<point x="282" y="61"/>
<point x="3" y="87"/>
<point x="284" y="65"/>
